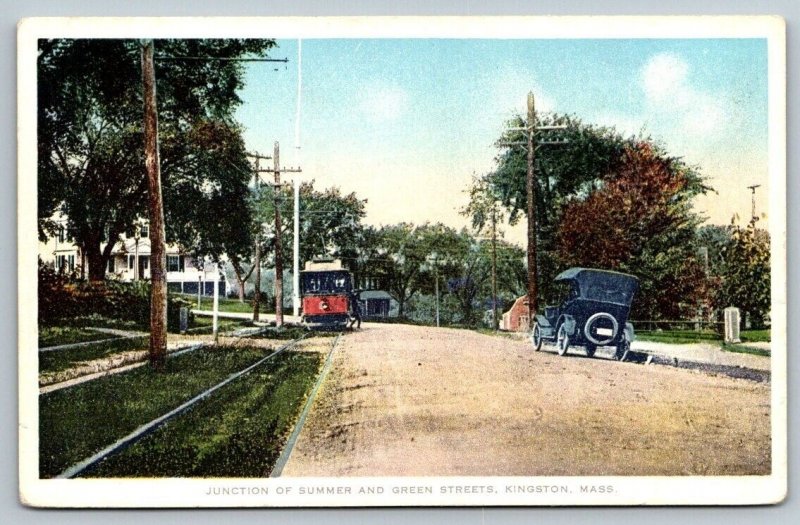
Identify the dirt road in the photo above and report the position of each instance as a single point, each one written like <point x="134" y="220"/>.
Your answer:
<point x="416" y="401"/>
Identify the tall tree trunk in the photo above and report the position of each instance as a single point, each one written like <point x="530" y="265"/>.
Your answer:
<point x="97" y="267"/>
<point x="158" y="259"/>
<point x="241" y="288"/>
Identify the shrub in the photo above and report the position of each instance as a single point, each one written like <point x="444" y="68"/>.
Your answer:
<point x="64" y="300"/>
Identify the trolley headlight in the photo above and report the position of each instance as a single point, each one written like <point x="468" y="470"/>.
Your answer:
<point x="324" y="305"/>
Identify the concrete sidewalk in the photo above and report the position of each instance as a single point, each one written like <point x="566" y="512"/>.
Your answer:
<point x="247" y="316"/>
<point x="705" y="353"/>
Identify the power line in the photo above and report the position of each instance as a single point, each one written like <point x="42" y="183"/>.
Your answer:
<point x="218" y="59"/>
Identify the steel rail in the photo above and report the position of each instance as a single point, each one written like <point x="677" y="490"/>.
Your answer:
<point x="277" y="470"/>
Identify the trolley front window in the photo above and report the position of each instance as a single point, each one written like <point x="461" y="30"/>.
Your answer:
<point x="325" y="282"/>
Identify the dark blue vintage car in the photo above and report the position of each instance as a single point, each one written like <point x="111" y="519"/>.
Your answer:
<point x="593" y="311"/>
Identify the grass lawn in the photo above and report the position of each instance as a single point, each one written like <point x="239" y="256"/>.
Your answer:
<point x="744" y="349"/>
<point x="62" y="359"/>
<point x="753" y="336"/>
<point x="204" y="325"/>
<point x="239" y="432"/>
<point x="76" y="422"/>
<point x="693" y="336"/>
<point x="679" y="336"/>
<point x="64" y="335"/>
<point x="225" y="304"/>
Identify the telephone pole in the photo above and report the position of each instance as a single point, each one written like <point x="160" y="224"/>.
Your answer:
<point x="158" y="293"/>
<point x="278" y="244"/>
<point x="753" y="200"/>
<point x="530" y="186"/>
<point x="276" y="171"/>
<point x="530" y="129"/>
<point x="257" y="248"/>
<point x="494" y="267"/>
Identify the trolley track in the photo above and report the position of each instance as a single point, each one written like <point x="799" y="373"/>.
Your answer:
<point x="142" y="431"/>
<point x="126" y="365"/>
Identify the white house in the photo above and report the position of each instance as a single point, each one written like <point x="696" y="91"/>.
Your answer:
<point x="130" y="261"/>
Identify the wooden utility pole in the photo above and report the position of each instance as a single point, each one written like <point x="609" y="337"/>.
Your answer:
<point x="753" y="200"/>
<point x="531" y="188"/>
<point x="158" y="277"/>
<point x="530" y="145"/>
<point x="494" y="267"/>
<point x="276" y="171"/>
<point x="278" y="244"/>
<point x="257" y="251"/>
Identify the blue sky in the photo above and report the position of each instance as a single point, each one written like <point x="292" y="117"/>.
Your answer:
<point x="406" y="122"/>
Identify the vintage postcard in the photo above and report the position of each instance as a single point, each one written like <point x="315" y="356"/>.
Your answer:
<point x="414" y="261"/>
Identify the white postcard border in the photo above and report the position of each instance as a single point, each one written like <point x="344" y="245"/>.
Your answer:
<point x="728" y="490"/>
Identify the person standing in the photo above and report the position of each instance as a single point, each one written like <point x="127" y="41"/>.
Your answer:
<point x="355" y="309"/>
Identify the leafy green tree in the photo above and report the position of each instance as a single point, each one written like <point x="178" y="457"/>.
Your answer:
<point x="330" y="226"/>
<point x="472" y="287"/>
<point x="90" y="142"/>
<point x="746" y="274"/>
<point x="486" y="214"/>
<point x="411" y="258"/>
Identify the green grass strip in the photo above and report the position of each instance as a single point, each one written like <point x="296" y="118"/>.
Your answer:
<point x="76" y="422"/>
<point x="744" y="349"/>
<point x="65" y="335"/>
<point x="56" y="360"/>
<point x="678" y="336"/>
<point x="237" y="432"/>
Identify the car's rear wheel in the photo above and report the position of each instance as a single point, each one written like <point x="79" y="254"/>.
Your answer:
<point x="536" y="337"/>
<point x="590" y="349"/>
<point x="562" y="341"/>
<point x="623" y="349"/>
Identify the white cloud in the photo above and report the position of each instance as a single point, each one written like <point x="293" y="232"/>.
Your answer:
<point x="383" y="103"/>
<point x="664" y="78"/>
<point x="677" y="106"/>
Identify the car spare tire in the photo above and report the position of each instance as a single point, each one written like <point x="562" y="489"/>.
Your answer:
<point x="601" y="328"/>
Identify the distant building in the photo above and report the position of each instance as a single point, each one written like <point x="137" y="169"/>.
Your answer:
<point x="130" y="261"/>
<point x="516" y="319"/>
<point x="377" y="304"/>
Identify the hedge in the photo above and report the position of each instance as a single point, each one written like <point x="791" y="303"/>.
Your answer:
<point x="63" y="299"/>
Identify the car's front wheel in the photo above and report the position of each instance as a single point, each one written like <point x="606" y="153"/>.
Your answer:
<point x="562" y="341"/>
<point x="536" y="337"/>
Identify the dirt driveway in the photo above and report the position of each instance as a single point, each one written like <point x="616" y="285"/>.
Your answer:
<point x="417" y="401"/>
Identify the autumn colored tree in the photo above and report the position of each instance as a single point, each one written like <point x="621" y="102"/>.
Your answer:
<point x="640" y="221"/>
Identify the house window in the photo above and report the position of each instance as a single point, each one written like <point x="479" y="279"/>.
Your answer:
<point x="145" y="261"/>
<point x="175" y="263"/>
<point x="131" y="261"/>
<point x="62" y="234"/>
<point x="65" y="263"/>
<point x="144" y="230"/>
<point x="111" y="268"/>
